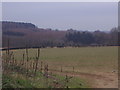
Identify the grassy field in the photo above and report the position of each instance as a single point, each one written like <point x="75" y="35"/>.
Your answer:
<point x="84" y="59"/>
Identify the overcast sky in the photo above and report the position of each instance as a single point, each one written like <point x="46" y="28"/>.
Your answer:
<point x="60" y="15"/>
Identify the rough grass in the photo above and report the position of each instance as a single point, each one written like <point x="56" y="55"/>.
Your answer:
<point x="83" y="59"/>
<point x="16" y="80"/>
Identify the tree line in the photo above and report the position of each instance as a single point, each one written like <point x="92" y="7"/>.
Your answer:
<point x="21" y="35"/>
<point x="95" y="38"/>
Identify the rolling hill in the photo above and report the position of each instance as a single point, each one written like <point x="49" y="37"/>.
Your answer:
<point x="20" y="33"/>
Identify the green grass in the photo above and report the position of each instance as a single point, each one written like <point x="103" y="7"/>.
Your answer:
<point x="15" y="82"/>
<point x="84" y="59"/>
<point x="95" y="58"/>
<point x="75" y="82"/>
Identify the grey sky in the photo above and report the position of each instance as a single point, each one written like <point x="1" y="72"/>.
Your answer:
<point x="64" y="15"/>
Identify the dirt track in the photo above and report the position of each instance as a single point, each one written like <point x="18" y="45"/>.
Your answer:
<point x="96" y="80"/>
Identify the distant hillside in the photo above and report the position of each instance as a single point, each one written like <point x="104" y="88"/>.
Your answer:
<point x="11" y="25"/>
<point x="21" y="33"/>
